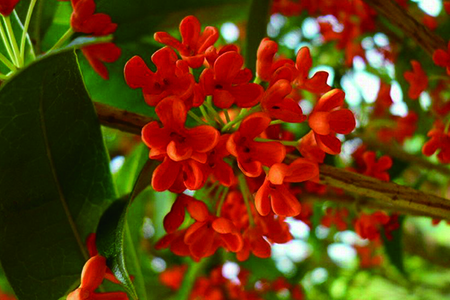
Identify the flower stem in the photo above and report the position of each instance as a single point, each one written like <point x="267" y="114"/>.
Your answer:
<point x="212" y="111"/>
<point x="275" y="122"/>
<point x="221" y="201"/>
<point x="63" y="39"/>
<point x="286" y="143"/>
<point x="239" y="118"/>
<point x="206" y="116"/>
<point x="246" y="195"/>
<point x="7" y="44"/>
<point x="12" y="38"/>
<point x="227" y="116"/>
<point x="3" y="77"/>
<point x="7" y="63"/>
<point x="25" y="31"/>
<point x="195" y="117"/>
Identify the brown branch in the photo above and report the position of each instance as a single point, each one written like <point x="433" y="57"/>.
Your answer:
<point x="399" y="17"/>
<point x="122" y="120"/>
<point x="400" y="198"/>
<point x="397" y="196"/>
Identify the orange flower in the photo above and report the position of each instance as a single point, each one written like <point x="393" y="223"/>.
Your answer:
<point x="328" y="118"/>
<point x="91" y="277"/>
<point x="194" y="43"/>
<point x="251" y="155"/>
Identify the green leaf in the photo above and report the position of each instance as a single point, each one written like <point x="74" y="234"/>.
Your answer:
<point x="128" y="173"/>
<point x="394" y="247"/>
<point x="113" y="235"/>
<point x="55" y="177"/>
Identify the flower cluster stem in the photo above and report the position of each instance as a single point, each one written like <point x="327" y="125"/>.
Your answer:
<point x="239" y="118"/>
<point x="223" y="195"/>
<point x="62" y="40"/>
<point x="195" y="117"/>
<point x="25" y="31"/>
<point x="246" y="195"/>
<point x="7" y="44"/>
<point x="12" y="39"/>
<point x="286" y="143"/>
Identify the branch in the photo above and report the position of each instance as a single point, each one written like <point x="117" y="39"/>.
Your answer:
<point x="399" y="17"/>
<point x="122" y="120"/>
<point x="401" y="198"/>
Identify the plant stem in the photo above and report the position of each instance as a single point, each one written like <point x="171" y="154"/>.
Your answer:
<point x="227" y="116"/>
<point x="221" y="201"/>
<point x="7" y="63"/>
<point x="239" y="118"/>
<point x="25" y="30"/>
<point x="286" y="143"/>
<point x="245" y="194"/>
<point x="7" y="44"/>
<point x="210" y="107"/>
<point x="276" y="122"/>
<point x="206" y="116"/>
<point x="3" y="76"/>
<point x="63" y="39"/>
<point x="196" y="118"/>
<point x="12" y="38"/>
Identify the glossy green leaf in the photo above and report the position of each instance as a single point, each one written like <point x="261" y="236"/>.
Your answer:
<point x="55" y="177"/>
<point x="113" y="235"/>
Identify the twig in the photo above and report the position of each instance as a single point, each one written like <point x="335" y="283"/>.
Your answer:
<point x="399" y="17"/>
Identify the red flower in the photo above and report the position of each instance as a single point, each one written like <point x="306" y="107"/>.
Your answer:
<point x="171" y="78"/>
<point x="447" y="7"/>
<point x="317" y="83"/>
<point x="221" y="170"/>
<point x="442" y="58"/>
<point x="255" y="243"/>
<point x="228" y="84"/>
<point x="264" y="58"/>
<point x="384" y="99"/>
<point x="274" y="194"/>
<point x="275" y="102"/>
<point x="309" y="148"/>
<point x="194" y="43"/>
<point x="417" y="79"/>
<point x="91" y="277"/>
<point x="7" y="6"/>
<point x="377" y="169"/>
<point x="368" y="226"/>
<point x="335" y="216"/>
<point x="84" y="20"/>
<point x="99" y="54"/>
<point x="404" y="128"/>
<point x="328" y="118"/>
<point x="173" y="277"/>
<point x="173" y="139"/>
<point x="439" y="140"/>
<point x="251" y="155"/>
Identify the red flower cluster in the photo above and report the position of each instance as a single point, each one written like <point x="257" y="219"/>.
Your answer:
<point x="85" y="20"/>
<point x="439" y="140"/>
<point x="240" y="161"/>
<point x="217" y="287"/>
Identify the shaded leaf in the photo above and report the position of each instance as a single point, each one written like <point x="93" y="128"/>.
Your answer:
<point x="112" y="231"/>
<point x="55" y="174"/>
